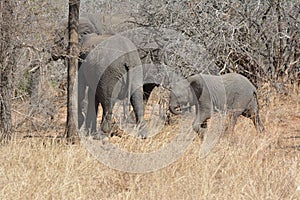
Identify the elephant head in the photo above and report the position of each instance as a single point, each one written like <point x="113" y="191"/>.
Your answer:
<point x="182" y="96"/>
<point x="60" y="43"/>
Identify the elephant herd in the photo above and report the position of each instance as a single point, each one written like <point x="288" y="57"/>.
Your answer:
<point x="111" y="67"/>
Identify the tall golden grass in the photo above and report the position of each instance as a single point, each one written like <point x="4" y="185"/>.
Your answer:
<point x="243" y="165"/>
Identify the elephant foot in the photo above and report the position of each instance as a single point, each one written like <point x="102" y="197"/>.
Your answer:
<point x="200" y="129"/>
<point x="106" y="127"/>
<point x="196" y="127"/>
<point x="100" y="135"/>
<point x="142" y="131"/>
<point x="87" y="132"/>
<point x="129" y="118"/>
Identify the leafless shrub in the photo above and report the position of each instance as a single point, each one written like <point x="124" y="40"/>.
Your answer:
<point x="34" y="77"/>
<point x="259" y="39"/>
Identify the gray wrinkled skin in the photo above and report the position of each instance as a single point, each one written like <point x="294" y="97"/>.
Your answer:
<point x="109" y="66"/>
<point x="111" y="71"/>
<point x="109" y="23"/>
<point x="94" y="29"/>
<point x="231" y="93"/>
<point x="93" y="25"/>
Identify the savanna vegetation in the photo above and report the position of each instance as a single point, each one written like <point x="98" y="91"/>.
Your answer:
<point x="258" y="39"/>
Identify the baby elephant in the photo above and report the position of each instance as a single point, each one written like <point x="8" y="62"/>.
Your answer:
<point x="232" y="93"/>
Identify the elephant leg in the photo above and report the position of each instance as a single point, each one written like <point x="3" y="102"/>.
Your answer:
<point x="200" y="123"/>
<point x="254" y="116"/>
<point x="92" y="111"/>
<point x="257" y="122"/>
<point x="106" y="123"/>
<point x="259" y="125"/>
<point x="232" y="121"/>
<point x="138" y="108"/>
<point x="197" y="123"/>
<point x="125" y="110"/>
<point x="81" y="94"/>
<point x="202" y="115"/>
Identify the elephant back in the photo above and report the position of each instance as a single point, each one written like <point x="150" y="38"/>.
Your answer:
<point x="112" y="49"/>
<point x="111" y="56"/>
<point x="237" y="83"/>
<point x="108" y="23"/>
<point x="90" y="41"/>
<point x="214" y="89"/>
<point x="239" y="90"/>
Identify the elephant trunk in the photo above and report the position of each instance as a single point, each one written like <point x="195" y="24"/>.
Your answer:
<point x="174" y="105"/>
<point x="174" y="110"/>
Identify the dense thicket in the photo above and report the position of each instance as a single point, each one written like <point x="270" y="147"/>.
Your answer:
<point x="259" y="39"/>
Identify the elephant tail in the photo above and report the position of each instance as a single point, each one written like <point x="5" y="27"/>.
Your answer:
<point x="128" y="83"/>
<point x="128" y="78"/>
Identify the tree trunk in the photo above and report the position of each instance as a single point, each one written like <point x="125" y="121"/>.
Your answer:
<point x="6" y="65"/>
<point x="71" y="129"/>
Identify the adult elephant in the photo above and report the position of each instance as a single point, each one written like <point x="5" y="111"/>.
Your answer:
<point x="112" y="70"/>
<point x="92" y="32"/>
<point x="105" y="64"/>
<point x="94" y="28"/>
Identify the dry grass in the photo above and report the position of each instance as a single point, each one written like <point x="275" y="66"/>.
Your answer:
<point x="243" y="165"/>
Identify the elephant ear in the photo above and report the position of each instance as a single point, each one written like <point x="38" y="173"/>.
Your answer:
<point x="86" y="26"/>
<point x="196" y="82"/>
<point x="90" y="41"/>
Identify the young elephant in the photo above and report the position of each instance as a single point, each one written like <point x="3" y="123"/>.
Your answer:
<point x="230" y="92"/>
